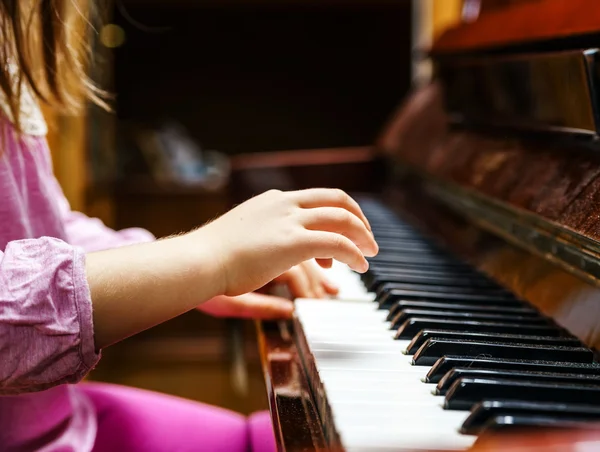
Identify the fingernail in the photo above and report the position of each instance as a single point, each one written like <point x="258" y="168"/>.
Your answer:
<point x="365" y="266"/>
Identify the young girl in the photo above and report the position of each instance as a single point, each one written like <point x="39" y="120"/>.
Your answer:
<point x="62" y="299"/>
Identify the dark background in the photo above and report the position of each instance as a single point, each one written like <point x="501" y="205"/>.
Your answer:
<point x="247" y="78"/>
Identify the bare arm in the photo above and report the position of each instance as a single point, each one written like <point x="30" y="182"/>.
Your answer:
<point x="136" y="287"/>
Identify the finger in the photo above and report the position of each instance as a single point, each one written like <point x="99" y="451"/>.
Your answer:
<point x="329" y="245"/>
<point x="327" y="197"/>
<point x="298" y="282"/>
<point x="315" y="278"/>
<point x="250" y="305"/>
<point x="263" y="307"/>
<point x="330" y="288"/>
<point x="333" y="219"/>
<point x="324" y="263"/>
<point x="320" y="282"/>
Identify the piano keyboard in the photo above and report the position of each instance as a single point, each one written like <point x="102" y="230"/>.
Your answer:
<point x="425" y="353"/>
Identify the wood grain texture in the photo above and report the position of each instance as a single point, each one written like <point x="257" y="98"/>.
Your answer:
<point x="560" y="182"/>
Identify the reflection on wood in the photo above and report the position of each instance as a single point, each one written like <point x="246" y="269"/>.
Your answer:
<point x="523" y="23"/>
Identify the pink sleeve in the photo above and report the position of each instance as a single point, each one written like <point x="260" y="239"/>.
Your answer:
<point x="90" y="233"/>
<point x="46" y="325"/>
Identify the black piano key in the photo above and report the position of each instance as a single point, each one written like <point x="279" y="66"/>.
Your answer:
<point x="377" y="269"/>
<point x="447" y="363"/>
<point x="409" y="329"/>
<point x="373" y="273"/>
<point x="405" y="245"/>
<point x="388" y="299"/>
<point x="407" y="314"/>
<point x="448" y="380"/>
<point x="459" y="310"/>
<point x="511" y="424"/>
<point x="411" y="262"/>
<point x="395" y="228"/>
<point x="434" y="349"/>
<point x="415" y="260"/>
<point x="514" y="306"/>
<point x="485" y="411"/>
<point x="422" y="336"/>
<point x="376" y="277"/>
<point x="411" y="252"/>
<point x="466" y="392"/>
<point x="453" y="305"/>
<point x="393" y="288"/>
<point x="380" y="283"/>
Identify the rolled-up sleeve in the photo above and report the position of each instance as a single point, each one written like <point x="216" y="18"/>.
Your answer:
<point x="46" y="324"/>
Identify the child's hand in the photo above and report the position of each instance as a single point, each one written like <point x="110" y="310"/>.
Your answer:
<point x="306" y="280"/>
<point x="136" y="287"/>
<point x="266" y="236"/>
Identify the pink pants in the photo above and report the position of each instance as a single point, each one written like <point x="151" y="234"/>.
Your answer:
<point x="135" y="420"/>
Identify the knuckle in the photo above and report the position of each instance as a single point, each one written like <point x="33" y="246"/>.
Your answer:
<point x="295" y="272"/>
<point x="338" y="242"/>
<point x="274" y="193"/>
<point x="340" y="195"/>
<point x="336" y="215"/>
<point x="346" y="217"/>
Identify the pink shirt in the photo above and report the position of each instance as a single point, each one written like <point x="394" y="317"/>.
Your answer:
<point x="46" y="329"/>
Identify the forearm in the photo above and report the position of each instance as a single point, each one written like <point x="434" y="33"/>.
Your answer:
<point x="137" y="287"/>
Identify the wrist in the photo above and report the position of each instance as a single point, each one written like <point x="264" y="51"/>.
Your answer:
<point x="202" y="260"/>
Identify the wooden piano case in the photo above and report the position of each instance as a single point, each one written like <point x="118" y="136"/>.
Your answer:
<point x="499" y="160"/>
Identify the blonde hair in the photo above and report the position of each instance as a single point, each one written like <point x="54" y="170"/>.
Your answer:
<point x="45" y="48"/>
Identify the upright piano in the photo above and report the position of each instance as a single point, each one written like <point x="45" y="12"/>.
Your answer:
<point x="481" y="314"/>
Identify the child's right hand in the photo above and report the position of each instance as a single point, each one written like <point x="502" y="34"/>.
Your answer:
<point x="136" y="287"/>
<point x="262" y="238"/>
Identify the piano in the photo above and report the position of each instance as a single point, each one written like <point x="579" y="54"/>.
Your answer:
<point x="481" y="314"/>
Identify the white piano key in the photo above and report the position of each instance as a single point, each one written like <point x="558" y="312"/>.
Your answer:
<point x="385" y="415"/>
<point x="377" y="397"/>
<point x="350" y="285"/>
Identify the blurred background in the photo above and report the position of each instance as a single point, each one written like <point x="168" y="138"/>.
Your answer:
<point x="216" y="100"/>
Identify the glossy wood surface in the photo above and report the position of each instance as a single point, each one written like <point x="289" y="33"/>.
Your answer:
<point x="494" y="5"/>
<point x="295" y="418"/>
<point x="557" y="180"/>
<point x="526" y="92"/>
<point x="525" y="22"/>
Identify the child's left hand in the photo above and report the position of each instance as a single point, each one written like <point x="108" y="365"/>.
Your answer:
<point x="303" y="281"/>
<point x="307" y="280"/>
